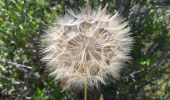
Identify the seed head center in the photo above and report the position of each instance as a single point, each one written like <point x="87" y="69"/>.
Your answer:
<point x="82" y="43"/>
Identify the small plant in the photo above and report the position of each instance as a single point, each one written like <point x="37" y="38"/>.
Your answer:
<point x="86" y="47"/>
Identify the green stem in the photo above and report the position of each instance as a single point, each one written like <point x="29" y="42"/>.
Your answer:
<point x="85" y="91"/>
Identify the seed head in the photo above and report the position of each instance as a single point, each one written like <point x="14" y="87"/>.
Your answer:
<point x="86" y="47"/>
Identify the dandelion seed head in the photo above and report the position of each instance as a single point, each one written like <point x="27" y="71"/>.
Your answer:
<point x="87" y="47"/>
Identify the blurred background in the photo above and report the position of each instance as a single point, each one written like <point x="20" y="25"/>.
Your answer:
<point x="23" y="75"/>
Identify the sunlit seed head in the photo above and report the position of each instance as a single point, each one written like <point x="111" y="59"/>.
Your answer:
<point x="86" y="47"/>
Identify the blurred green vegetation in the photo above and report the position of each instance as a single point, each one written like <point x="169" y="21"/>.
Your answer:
<point x="146" y="76"/>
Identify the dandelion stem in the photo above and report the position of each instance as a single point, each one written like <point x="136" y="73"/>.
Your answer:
<point x="85" y="91"/>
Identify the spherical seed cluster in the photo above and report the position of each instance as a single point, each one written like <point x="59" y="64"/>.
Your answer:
<point x="86" y="47"/>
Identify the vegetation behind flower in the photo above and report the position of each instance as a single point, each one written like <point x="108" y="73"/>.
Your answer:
<point x="23" y="22"/>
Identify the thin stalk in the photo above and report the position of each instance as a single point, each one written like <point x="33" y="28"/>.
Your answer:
<point x="85" y="91"/>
